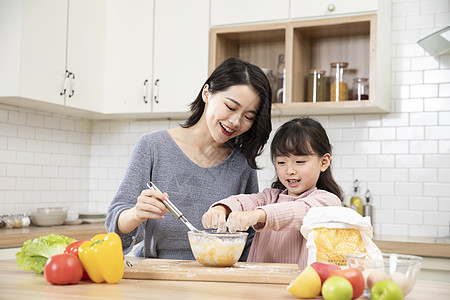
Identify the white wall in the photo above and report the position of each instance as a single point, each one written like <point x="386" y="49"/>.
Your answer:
<point x="403" y="157"/>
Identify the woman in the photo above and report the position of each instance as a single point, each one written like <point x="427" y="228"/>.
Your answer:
<point x="210" y="157"/>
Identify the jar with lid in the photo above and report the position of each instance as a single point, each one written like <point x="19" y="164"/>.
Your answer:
<point x="339" y="88"/>
<point x="25" y="220"/>
<point x="316" y="85"/>
<point x="271" y="78"/>
<point x="360" y="89"/>
<point x="9" y="221"/>
<point x="17" y="221"/>
<point x="281" y="82"/>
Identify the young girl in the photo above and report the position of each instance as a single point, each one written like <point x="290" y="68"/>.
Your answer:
<point x="209" y="157"/>
<point x="301" y="153"/>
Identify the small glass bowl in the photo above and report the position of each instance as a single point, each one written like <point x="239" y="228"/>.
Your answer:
<point x="390" y="263"/>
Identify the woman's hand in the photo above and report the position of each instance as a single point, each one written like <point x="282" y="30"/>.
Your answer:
<point x="148" y="206"/>
<point x="215" y="218"/>
<point x="242" y="220"/>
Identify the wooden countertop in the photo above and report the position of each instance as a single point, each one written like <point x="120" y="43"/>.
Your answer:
<point x="17" y="284"/>
<point x="15" y="237"/>
<point x="421" y="246"/>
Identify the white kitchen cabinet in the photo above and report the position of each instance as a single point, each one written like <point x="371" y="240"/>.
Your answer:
<point x="33" y="53"/>
<point x="49" y="37"/>
<point x="156" y="52"/>
<point x="129" y="56"/>
<point x="180" y="63"/>
<point x="227" y="12"/>
<point x="327" y="8"/>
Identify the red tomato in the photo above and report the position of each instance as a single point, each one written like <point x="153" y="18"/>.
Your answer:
<point x="63" y="268"/>
<point x="355" y="277"/>
<point x="73" y="249"/>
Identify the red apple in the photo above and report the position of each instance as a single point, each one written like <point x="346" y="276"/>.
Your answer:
<point x="355" y="277"/>
<point x="324" y="269"/>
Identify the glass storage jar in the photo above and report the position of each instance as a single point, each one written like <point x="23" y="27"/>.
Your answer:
<point x="360" y="89"/>
<point x="339" y="88"/>
<point x="316" y="85"/>
<point x="281" y="80"/>
<point x="271" y="78"/>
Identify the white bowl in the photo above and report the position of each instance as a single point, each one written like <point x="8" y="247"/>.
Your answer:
<point x="72" y="216"/>
<point x="217" y="249"/>
<point x="48" y="216"/>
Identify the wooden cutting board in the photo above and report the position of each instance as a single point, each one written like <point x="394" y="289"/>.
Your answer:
<point x="168" y="269"/>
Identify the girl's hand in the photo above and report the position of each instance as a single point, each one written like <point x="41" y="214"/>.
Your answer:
<point x="150" y="206"/>
<point x="242" y="220"/>
<point x="215" y="218"/>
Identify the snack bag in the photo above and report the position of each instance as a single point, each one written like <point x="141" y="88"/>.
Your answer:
<point x="334" y="231"/>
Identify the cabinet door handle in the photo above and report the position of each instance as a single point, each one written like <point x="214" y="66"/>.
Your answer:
<point x="156" y="91"/>
<point x="145" y="91"/>
<point x="66" y="81"/>
<point x="331" y="7"/>
<point x="72" y="84"/>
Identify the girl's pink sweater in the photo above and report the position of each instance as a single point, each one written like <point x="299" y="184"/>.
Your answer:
<point x="279" y="239"/>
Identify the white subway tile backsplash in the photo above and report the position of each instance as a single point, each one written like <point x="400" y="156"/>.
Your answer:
<point x="423" y="118"/>
<point x="409" y="217"/>
<point x="424" y="91"/>
<point x="436" y="218"/>
<point x="423" y="147"/>
<point x="409" y="189"/>
<point x="401" y="64"/>
<point x="420" y="21"/>
<point x="394" y="202"/>
<point x="444" y="175"/>
<point x="423" y="175"/>
<point x="423" y="203"/>
<point x="394" y="229"/>
<point x="382" y="133"/>
<point x="444" y="204"/>
<point x="355" y="134"/>
<point x="433" y="6"/>
<point x="381" y="161"/>
<point x="394" y="147"/>
<point x="437" y="76"/>
<point x="444" y="90"/>
<point x="368" y="147"/>
<point x="422" y="230"/>
<point x="409" y="105"/>
<point x="437" y="189"/>
<point x="424" y="63"/>
<point x="394" y="175"/>
<point x="437" y="161"/>
<point x="437" y="132"/>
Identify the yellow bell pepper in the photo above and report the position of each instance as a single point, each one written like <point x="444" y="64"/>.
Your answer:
<point x="102" y="258"/>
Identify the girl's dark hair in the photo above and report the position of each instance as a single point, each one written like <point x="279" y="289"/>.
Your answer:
<point x="231" y="72"/>
<point x="304" y="136"/>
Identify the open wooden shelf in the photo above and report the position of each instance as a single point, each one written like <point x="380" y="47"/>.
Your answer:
<point x="309" y="44"/>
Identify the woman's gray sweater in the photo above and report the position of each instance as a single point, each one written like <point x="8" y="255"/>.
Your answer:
<point x="157" y="158"/>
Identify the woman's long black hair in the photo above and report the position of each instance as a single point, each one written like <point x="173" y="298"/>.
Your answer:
<point x="231" y="72"/>
<point x="304" y="136"/>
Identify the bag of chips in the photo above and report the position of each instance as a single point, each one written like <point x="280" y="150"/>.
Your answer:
<point x="334" y="231"/>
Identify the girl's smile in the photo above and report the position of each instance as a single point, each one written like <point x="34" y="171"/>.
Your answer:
<point x="300" y="173"/>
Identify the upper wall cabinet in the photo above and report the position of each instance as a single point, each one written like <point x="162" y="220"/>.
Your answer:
<point x="327" y="8"/>
<point x="361" y="40"/>
<point x="54" y="52"/>
<point x="226" y="12"/>
<point x="180" y="62"/>
<point x="156" y="56"/>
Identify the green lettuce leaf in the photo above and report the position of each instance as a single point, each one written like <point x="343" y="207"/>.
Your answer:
<point x="35" y="253"/>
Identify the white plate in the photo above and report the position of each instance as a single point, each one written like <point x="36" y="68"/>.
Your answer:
<point x="74" y="222"/>
<point x="92" y="216"/>
<point x="94" y="220"/>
